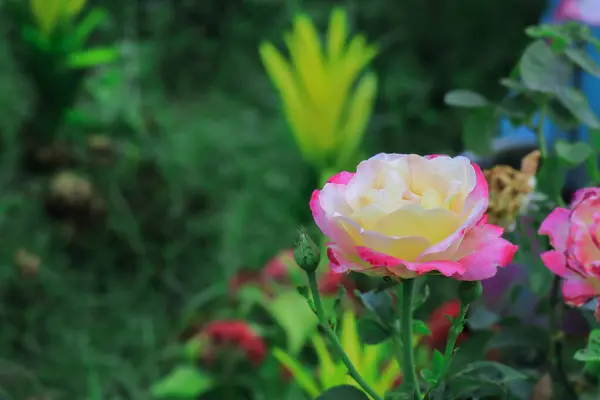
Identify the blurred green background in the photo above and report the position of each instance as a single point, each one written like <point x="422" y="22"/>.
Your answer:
<point x="191" y="172"/>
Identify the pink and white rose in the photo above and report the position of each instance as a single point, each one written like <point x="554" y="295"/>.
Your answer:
<point x="405" y="215"/>
<point x="576" y="256"/>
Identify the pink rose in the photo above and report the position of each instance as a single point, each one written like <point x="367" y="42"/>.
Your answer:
<point x="405" y="215"/>
<point x="586" y="11"/>
<point x="576" y="256"/>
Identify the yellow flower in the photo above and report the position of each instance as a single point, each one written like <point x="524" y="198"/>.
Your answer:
<point x="375" y="363"/>
<point x="48" y="13"/>
<point x="326" y="104"/>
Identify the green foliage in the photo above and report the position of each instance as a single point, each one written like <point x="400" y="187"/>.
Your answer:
<point x="482" y="380"/>
<point x="343" y="392"/>
<point x="183" y="383"/>
<point x="592" y="352"/>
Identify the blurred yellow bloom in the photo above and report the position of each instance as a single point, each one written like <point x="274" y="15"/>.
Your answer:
<point x="48" y="13"/>
<point x="326" y="104"/>
<point x="375" y="363"/>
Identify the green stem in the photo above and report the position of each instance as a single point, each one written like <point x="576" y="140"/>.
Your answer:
<point x="314" y="288"/>
<point x="540" y="131"/>
<point x="556" y="349"/>
<point x="457" y="327"/>
<point x="406" y="335"/>
<point x="455" y="331"/>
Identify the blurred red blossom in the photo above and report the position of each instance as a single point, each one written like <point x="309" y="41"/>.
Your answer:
<point x="439" y="325"/>
<point x="234" y="334"/>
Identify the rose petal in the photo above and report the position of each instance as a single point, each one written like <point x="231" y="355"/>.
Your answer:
<point x="483" y="252"/>
<point x="556" y="226"/>
<point x="341" y="178"/>
<point x="556" y="262"/>
<point x="577" y="292"/>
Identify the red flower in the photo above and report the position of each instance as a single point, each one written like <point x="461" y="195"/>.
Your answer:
<point x="238" y="335"/>
<point x="277" y="269"/>
<point x="439" y="325"/>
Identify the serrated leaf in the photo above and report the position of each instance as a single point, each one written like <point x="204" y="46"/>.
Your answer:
<point x="343" y="392"/>
<point x="581" y="58"/>
<point x="573" y="153"/>
<point x="183" y="382"/>
<point x="379" y="303"/>
<point x="592" y="352"/>
<point x="482" y="378"/>
<point x="542" y="70"/>
<point x="371" y="331"/>
<point x="465" y="98"/>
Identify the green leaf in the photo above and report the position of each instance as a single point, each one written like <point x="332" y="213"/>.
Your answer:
<point x="437" y="361"/>
<point x="183" y="382"/>
<point x="573" y="153"/>
<point x="303" y="377"/>
<point x="481" y="317"/>
<point x="520" y="337"/>
<point x="403" y="392"/>
<point x="561" y="115"/>
<point x="514" y="84"/>
<point x="518" y="107"/>
<point x="550" y="179"/>
<point x="35" y="38"/>
<point x="293" y="314"/>
<point x="542" y="70"/>
<point x="420" y="328"/>
<point x="481" y="379"/>
<point x="592" y="352"/>
<point x="465" y="98"/>
<point x="479" y="130"/>
<point x="547" y="31"/>
<point x="92" y="57"/>
<point x="192" y="349"/>
<point x="583" y="60"/>
<point x="343" y="392"/>
<point x="371" y="331"/>
<point x="379" y="303"/>
<point x="574" y="101"/>
<point x="85" y="27"/>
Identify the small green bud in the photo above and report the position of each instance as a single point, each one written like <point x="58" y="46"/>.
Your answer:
<point x="306" y="253"/>
<point x="469" y="291"/>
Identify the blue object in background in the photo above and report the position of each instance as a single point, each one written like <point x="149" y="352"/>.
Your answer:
<point x="590" y="85"/>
